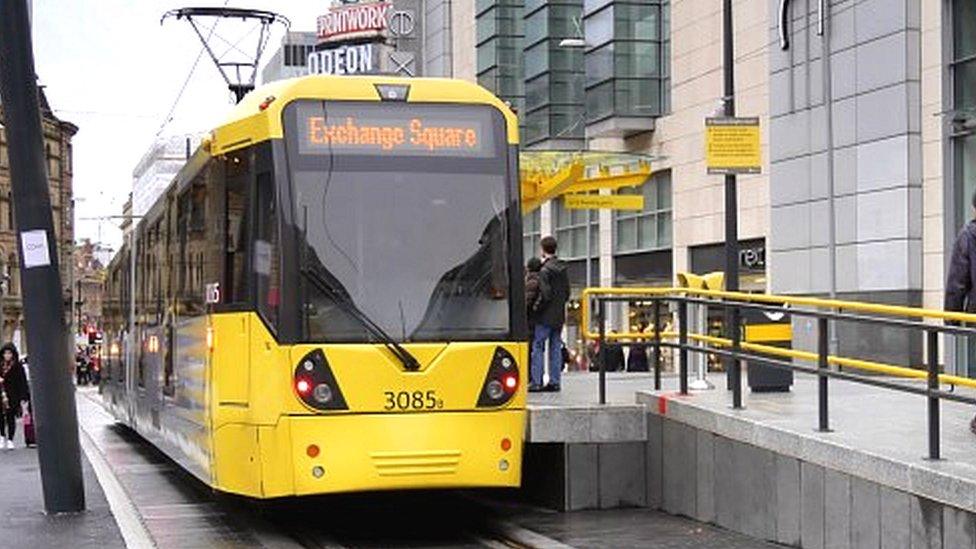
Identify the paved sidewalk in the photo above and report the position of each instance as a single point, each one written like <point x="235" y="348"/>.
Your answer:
<point x="23" y="523"/>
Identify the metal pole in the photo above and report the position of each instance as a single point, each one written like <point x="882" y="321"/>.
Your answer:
<point x="683" y="346"/>
<point x="731" y="200"/>
<point x="699" y="314"/>
<point x="58" y="448"/>
<point x="822" y="353"/>
<point x="933" y="378"/>
<point x="601" y="317"/>
<point x="736" y="364"/>
<point x="656" y="355"/>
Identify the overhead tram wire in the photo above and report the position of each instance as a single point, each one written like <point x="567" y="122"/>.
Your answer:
<point x="186" y="82"/>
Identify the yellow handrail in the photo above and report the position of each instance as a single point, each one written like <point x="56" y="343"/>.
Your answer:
<point x="833" y="304"/>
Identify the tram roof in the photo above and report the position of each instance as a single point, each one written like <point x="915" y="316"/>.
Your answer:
<point x="248" y="123"/>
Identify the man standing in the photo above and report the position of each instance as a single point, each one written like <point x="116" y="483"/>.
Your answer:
<point x="551" y="315"/>
<point x="960" y="292"/>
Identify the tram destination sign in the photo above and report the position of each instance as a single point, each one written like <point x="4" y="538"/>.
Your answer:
<point x="732" y="145"/>
<point x="343" y="129"/>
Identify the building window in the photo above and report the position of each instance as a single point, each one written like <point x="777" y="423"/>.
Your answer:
<point x="499" y="49"/>
<point x="571" y="229"/>
<point x="627" y="63"/>
<point x="650" y="228"/>
<point x="531" y="234"/>
<point x="963" y="70"/>
<point x="554" y="75"/>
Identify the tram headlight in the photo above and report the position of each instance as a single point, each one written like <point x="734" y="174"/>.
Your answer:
<point x="322" y="393"/>
<point x="495" y="389"/>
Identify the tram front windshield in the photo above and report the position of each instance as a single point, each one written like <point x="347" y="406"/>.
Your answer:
<point x="403" y="211"/>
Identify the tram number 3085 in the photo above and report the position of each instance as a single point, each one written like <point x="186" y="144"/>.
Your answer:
<point x="416" y="400"/>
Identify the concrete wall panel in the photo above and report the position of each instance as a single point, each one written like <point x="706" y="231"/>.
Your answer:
<point x="705" y="478"/>
<point x="895" y="516"/>
<point x="811" y="506"/>
<point x="787" y="500"/>
<point x="876" y="18"/>
<point x="622" y="475"/>
<point x="582" y="476"/>
<point x="654" y="455"/>
<point x="882" y="62"/>
<point x="726" y="498"/>
<point x="679" y="469"/>
<point x="837" y="510"/>
<point x="958" y="529"/>
<point x="926" y="523"/>
<point x="865" y="514"/>
<point x="881" y="114"/>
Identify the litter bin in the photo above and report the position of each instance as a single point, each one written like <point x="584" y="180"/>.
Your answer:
<point x="774" y="330"/>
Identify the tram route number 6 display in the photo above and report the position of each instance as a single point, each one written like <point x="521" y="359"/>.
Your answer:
<point x="412" y="400"/>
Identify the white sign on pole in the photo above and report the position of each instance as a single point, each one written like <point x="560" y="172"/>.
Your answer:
<point x="36" y="251"/>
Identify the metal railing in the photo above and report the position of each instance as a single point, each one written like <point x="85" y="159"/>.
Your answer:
<point x="732" y="346"/>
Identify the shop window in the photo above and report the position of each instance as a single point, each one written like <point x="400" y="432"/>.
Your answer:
<point x="650" y="228"/>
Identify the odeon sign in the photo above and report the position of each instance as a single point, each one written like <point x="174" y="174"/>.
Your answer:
<point x="357" y="59"/>
<point x="353" y="20"/>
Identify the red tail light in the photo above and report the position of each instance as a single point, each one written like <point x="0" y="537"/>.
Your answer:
<point x="303" y="386"/>
<point x="501" y="381"/>
<point x="510" y="382"/>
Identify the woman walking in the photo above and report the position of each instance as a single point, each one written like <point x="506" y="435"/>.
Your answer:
<point x="14" y="393"/>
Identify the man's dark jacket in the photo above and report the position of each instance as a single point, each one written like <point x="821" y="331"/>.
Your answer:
<point x="554" y="290"/>
<point x="960" y="293"/>
<point x="532" y="296"/>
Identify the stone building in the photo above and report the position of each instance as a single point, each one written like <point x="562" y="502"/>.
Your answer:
<point x="57" y="149"/>
<point x="89" y="287"/>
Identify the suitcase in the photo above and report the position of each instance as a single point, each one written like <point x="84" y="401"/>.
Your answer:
<point x="29" y="439"/>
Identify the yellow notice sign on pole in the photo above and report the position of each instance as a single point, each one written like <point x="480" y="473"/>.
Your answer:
<point x="604" y="202"/>
<point x="732" y="145"/>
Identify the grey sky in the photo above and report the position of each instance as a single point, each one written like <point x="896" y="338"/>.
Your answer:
<point x="112" y="69"/>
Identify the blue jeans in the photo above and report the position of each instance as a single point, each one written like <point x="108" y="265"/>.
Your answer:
<point x="552" y="334"/>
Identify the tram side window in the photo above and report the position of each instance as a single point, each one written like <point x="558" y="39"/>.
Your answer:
<point x="267" y="265"/>
<point x="237" y="188"/>
<point x="191" y="242"/>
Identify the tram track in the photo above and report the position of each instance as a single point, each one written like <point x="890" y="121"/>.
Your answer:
<point x="127" y="464"/>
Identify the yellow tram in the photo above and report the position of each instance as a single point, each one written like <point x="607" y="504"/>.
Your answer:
<point x="328" y="297"/>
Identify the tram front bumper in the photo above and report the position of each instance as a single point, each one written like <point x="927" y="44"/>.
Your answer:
<point x="360" y="452"/>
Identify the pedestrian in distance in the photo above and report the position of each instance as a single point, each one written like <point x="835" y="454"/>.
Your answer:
<point x="637" y="355"/>
<point x="960" y="288"/>
<point x="532" y="293"/>
<point x="14" y="394"/>
<point x="553" y="295"/>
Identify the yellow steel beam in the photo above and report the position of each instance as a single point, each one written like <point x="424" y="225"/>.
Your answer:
<point x="538" y="187"/>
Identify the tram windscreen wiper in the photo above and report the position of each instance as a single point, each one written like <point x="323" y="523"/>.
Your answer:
<point x="343" y="300"/>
